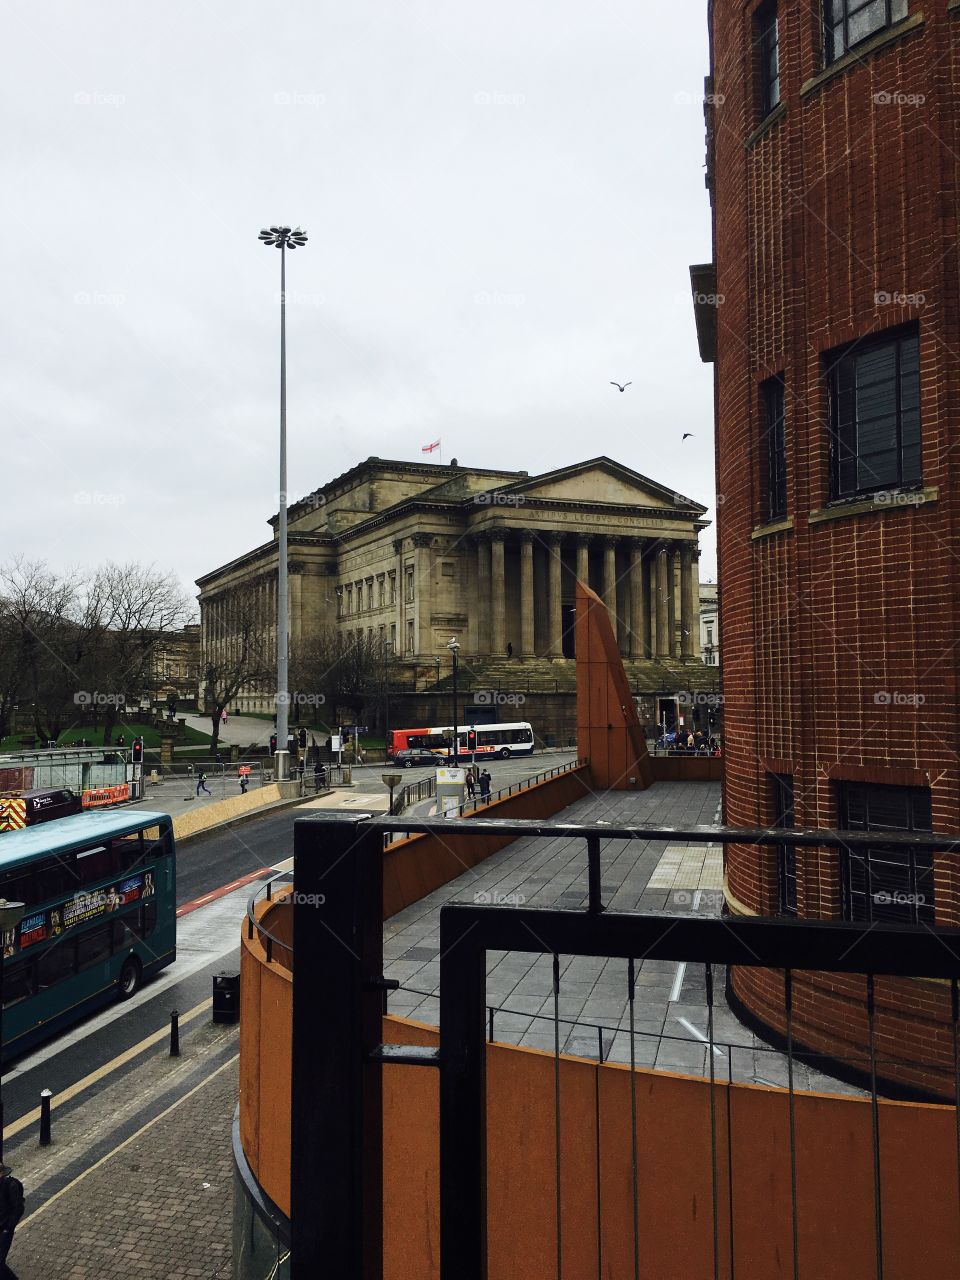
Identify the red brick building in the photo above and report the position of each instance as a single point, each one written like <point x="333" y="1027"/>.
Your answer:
<point x="832" y="310"/>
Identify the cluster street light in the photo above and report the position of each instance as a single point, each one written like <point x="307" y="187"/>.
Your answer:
<point x="454" y="646"/>
<point x="283" y="238"/>
<point x="11" y="913"/>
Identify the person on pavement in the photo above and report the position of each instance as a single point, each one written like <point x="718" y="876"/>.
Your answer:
<point x="243" y="784"/>
<point x="11" y="1211"/>
<point x="485" y="781"/>
<point x="201" y="783"/>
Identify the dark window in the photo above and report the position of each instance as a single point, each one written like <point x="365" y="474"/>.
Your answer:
<point x="885" y="884"/>
<point x="786" y="853"/>
<point x="774" y="454"/>
<point x="56" y="963"/>
<point x="847" y="22"/>
<point x="148" y="919"/>
<point x="768" y="51"/>
<point x="129" y="852"/>
<point x="94" y="865"/>
<point x="123" y="936"/>
<point x="21" y="886"/>
<point x="19" y="982"/>
<point x="94" y="947"/>
<point x="875" y="416"/>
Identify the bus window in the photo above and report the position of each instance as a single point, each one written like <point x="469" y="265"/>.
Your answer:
<point x="148" y="919"/>
<point x="19" y="981"/>
<point x="56" y="963"/>
<point x="57" y="877"/>
<point x="123" y="935"/>
<point x="128" y="853"/>
<point x="20" y="886"/>
<point x="93" y="947"/>
<point x="94" y="864"/>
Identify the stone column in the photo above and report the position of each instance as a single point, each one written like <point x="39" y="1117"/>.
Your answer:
<point x="498" y="602"/>
<point x="695" y="596"/>
<point x="527" y="646"/>
<point x="688" y="613"/>
<point x="422" y="595"/>
<point x="555" y="598"/>
<point x="673" y="577"/>
<point x="663" y="612"/>
<point x="583" y="559"/>
<point x="483" y="596"/>
<point x="638" y="621"/>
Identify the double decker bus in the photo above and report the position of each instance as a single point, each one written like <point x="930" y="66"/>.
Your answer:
<point x="100" y="895"/>
<point x="503" y="740"/>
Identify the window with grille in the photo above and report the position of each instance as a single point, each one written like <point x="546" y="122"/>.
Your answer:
<point x="848" y="22"/>
<point x="875" y="416"/>
<point x="768" y="51"/>
<point x="886" y="884"/>
<point x="783" y="816"/>
<point x="774" y="449"/>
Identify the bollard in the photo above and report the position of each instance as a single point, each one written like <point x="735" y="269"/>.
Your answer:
<point x="175" y="1034"/>
<point x="45" y="1096"/>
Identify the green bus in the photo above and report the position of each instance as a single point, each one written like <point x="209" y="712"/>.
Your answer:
<point x="100" y="894"/>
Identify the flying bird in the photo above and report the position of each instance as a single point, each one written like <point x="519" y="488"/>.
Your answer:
<point x="618" y="386"/>
<point x="687" y="435"/>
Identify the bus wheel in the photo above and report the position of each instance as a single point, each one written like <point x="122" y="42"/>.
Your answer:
<point x="505" y="753"/>
<point x="130" y="975"/>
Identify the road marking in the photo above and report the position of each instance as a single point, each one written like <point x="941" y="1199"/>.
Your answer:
<point x="678" y="982"/>
<point x="221" y="892"/>
<point x="126" y="1142"/>
<point x="58" y="1099"/>
<point x="699" y="1035"/>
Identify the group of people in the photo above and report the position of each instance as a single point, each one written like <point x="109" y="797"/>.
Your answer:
<point x="692" y="740"/>
<point x="478" y="780"/>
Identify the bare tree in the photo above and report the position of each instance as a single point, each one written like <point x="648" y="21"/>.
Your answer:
<point x="240" y="658"/>
<point x="340" y="670"/>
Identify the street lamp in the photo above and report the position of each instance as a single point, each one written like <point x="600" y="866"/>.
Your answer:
<point x="283" y="238"/>
<point x="11" y="913"/>
<point x="454" y="646"/>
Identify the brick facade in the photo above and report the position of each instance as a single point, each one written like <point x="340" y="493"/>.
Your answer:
<point x="834" y="220"/>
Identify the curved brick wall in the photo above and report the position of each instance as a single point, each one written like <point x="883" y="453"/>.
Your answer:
<point x="839" y="633"/>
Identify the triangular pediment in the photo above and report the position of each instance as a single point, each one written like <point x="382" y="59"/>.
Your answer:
<point x="600" y="480"/>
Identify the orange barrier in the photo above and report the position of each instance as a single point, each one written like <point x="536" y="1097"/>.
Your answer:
<point x="98" y="797"/>
<point x="13" y="814"/>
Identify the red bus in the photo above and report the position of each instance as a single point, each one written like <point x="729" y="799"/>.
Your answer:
<point x="503" y="740"/>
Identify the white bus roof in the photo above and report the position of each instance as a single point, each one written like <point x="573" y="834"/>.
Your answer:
<point x="63" y="835"/>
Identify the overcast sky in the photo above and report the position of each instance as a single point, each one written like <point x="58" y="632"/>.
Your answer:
<point x="502" y="202"/>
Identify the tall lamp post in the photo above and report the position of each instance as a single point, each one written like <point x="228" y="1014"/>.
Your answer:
<point x="454" y="647"/>
<point x="11" y="913"/>
<point x="283" y="238"/>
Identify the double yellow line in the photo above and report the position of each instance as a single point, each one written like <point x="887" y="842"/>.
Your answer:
<point x="32" y="1117"/>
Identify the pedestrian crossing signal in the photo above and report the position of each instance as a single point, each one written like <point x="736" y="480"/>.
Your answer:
<point x="137" y="753"/>
<point x="273" y="744"/>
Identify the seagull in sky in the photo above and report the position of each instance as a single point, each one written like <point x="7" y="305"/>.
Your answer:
<point x="621" y="388"/>
<point x="687" y="435"/>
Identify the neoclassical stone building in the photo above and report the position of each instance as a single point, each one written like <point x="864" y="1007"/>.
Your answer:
<point x="412" y="553"/>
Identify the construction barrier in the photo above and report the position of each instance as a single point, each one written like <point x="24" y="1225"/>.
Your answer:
<point x="13" y="814"/>
<point x="99" y="797"/>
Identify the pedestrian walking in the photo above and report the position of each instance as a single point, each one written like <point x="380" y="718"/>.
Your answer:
<point x="11" y="1211"/>
<point x="509" y="649"/>
<point x="201" y="785"/>
<point x="471" y="785"/>
<point x="243" y="784"/>
<point x="485" y="781"/>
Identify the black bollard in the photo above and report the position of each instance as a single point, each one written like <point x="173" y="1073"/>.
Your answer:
<point x="45" y="1096"/>
<point x="174" y="1034"/>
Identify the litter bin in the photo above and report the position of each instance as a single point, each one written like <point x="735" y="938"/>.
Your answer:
<point x="226" y="997"/>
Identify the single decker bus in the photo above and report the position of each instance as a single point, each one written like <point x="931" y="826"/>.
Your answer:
<point x="503" y="740"/>
<point x="99" y="891"/>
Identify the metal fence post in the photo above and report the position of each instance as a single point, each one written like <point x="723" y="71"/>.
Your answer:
<point x="336" y="1088"/>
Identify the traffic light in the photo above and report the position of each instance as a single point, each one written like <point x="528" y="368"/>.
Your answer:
<point x="273" y="744"/>
<point x="302" y="739"/>
<point x="471" y="741"/>
<point x="136" y="754"/>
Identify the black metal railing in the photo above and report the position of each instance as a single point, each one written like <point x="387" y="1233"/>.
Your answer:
<point x="338" y="997"/>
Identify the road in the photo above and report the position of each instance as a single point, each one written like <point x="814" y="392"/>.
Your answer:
<point x="88" y="1067"/>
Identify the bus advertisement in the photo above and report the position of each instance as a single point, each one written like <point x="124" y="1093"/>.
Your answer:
<point x="100" y="896"/>
<point x="473" y="741"/>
